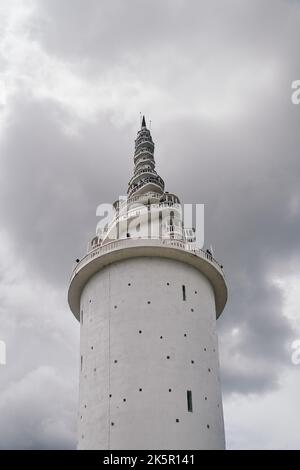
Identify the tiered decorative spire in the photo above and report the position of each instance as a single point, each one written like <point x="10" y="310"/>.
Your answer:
<point x="145" y="177"/>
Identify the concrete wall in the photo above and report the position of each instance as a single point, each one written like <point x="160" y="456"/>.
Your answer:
<point x="142" y="348"/>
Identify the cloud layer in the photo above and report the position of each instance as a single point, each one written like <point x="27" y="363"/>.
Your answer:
<point x="215" y="78"/>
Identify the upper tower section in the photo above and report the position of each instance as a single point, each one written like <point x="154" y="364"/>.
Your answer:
<point x="150" y="222"/>
<point x="145" y="178"/>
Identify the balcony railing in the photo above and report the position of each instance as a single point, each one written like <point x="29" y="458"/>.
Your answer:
<point x="135" y="242"/>
<point x="144" y="208"/>
<point x="144" y="141"/>
<point x="157" y="181"/>
<point x="141" y="172"/>
<point x="139" y="198"/>
<point x="174" y="229"/>
<point x="143" y="151"/>
<point x="140" y="160"/>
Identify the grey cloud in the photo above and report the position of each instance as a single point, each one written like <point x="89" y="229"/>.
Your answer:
<point x="247" y="183"/>
<point x="244" y="168"/>
<point x="178" y="40"/>
<point x="37" y="413"/>
<point x="51" y="184"/>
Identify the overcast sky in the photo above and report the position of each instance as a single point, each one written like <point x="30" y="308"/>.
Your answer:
<point x="215" y="79"/>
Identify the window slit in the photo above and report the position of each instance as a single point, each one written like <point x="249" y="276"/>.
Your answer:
<point x="183" y="293"/>
<point x="189" y="401"/>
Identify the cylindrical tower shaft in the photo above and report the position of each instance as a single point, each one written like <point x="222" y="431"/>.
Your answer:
<point x="149" y="359"/>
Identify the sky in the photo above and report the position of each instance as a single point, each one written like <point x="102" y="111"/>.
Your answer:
<point x="215" y="80"/>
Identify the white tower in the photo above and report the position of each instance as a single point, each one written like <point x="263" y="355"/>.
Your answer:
<point x="147" y="301"/>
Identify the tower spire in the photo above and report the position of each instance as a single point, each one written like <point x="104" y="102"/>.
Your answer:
<point x="145" y="178"/>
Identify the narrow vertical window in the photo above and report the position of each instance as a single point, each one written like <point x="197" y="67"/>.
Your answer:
<point x="183" y="293"/>
<point x="160" y="224"/>
<point x="81" y="362"/>
<point x="171" y="218"/>
<point x="189" y="401"/>
<point x="81" y="317"/>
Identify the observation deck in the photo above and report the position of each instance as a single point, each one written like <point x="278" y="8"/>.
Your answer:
<point x="123" y="249"/>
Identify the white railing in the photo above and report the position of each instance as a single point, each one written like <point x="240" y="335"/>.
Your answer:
<point x="128" y="242"/>
<point x="174" y="229"/>
<point x="143" y="160"/>
<point x="154" y="180"/>
<point x="141" y="172"/>
<point x="143" y="152"/>
<point x="139" y="197"/>
<point x="143" y="140"/>
<point x="137" y="210"/>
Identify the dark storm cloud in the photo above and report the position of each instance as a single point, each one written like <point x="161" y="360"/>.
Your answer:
<point x="104" y="31"/>
<point x="243" y="165"/>
<point x="247" y="182"/>
<point x="51" y="184"/>
<point x="167" y="42"/>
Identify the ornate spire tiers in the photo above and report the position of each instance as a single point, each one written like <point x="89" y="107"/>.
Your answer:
<point x="145" y="196"/>
<point x="145" y="177"/>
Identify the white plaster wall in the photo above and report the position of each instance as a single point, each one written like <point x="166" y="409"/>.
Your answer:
<point x="113" y="314"/>
<point x="140" y="222"/>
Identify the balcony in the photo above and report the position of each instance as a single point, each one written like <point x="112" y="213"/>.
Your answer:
<point x="144" y="142"/>
<point x="138" y="199"/>
<point x="174" y="230"/>
<point x="156" y="181"/>
<point x="123" y="249"/>
<point x="148" y="155"/>
<point x="142" y="172"/>
<point x="141" y="207"/>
